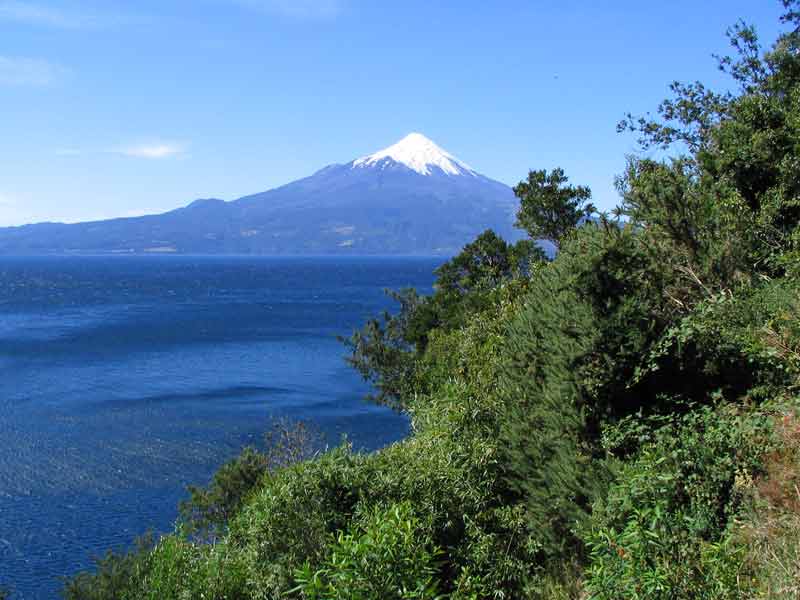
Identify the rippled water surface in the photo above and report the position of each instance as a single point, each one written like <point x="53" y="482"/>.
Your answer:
<point x="123" y="379"/>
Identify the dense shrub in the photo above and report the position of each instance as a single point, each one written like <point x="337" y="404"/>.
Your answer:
<point x="386" y="555"/>
<point x="547" y="465"/>
<point x="663" y="530"/>
<point x="386" y="350"/>
<point x="289" y="518"/>
<point x="177" y="569"/>
<point x="738" y="345"/>
<point x="115" y="573"/>
<point x="208" y="510"/>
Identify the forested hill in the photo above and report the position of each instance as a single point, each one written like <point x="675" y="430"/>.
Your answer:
<point x="619" y="422"/>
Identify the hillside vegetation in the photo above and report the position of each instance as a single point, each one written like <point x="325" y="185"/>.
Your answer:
<point x="618" y="422"/>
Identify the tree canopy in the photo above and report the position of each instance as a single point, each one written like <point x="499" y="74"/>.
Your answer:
<point x="549" y="207"/>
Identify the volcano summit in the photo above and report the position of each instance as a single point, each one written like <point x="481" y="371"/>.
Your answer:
<point x="410" y="198"/>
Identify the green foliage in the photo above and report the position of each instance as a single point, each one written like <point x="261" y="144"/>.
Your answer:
<point x="549" y="208"/>
<point x="571" y="357"/>
<point x="742" y="345"/>
<point x="699" y="227"/>
<point x="741" y="179"/>
<point x="614" y="273"/>
<point x="464" y="284"/>
<point x="447" y="471"/>
<point x="178" y="569"/>
<point x="382" y="352"/>
<point x="291" y="516"/>
<point x="485" y="263"/>
<point x="546" y="465"/>
<point x="385" y="350"/>
<point x="115" y="574"/>
<point x="386" y="556"/>
<point x="208" y="510"/>
<point x="663" y="529"/>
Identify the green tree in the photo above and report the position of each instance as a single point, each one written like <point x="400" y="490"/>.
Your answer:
<point x="207" y="512"/>
<point x="549" y="208"/>
<point x="737" y="209"/>
<point x="482" y="263"/>
<point x="385" y="350"/>
<point x="463" y="284"/>
<point x="115" y="573"/>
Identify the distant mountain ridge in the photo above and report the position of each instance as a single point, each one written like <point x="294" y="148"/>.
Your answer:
<point x="410" y="198"/>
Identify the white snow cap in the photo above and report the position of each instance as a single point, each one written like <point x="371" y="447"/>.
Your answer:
<point x="419" y="154"/>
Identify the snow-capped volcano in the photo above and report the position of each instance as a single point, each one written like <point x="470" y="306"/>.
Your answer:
<point x="411" y="198"/>
<point x="419" y="154"/>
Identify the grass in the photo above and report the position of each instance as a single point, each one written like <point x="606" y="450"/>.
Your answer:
<point x="770" y="528"/>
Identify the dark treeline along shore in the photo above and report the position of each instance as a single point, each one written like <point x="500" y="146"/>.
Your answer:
<point x="617" y="422"/>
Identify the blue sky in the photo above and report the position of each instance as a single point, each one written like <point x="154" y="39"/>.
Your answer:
<point x="125" y="108"/>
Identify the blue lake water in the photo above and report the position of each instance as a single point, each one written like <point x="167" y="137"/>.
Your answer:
<point x="123" y="379"/>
